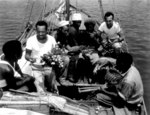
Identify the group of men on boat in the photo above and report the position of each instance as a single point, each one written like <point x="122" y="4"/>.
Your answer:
<point x="93" y="56"/>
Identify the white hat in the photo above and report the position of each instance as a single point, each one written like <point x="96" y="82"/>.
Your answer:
<point x="117" y="45"/>
<point x="76" y="17"/>
<point x="63" y="23"/>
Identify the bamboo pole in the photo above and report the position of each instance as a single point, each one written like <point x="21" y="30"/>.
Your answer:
<point x="23" y="102"/>
<point x="23" y="92"/>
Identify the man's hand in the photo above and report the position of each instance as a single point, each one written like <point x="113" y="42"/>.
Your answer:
<point x="104" y="35"/>
<point x="32" y="60"/>
<point x="28" y="78"/>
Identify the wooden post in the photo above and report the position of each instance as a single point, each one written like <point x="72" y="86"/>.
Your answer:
<point x="67" y="9"/>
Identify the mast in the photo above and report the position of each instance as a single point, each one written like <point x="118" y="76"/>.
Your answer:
<point x="101" y="8"/>
<point x="67" y="9"/>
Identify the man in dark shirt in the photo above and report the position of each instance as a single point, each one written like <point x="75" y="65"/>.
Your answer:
<point x="91" y="36"/>
<point x="74" y="32"/>
<point x="62" y="37"/>
<point x="62" y="33"/>
<point x="74" y="45"/>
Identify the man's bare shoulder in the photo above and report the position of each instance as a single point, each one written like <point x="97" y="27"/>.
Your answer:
<point x="5" y="68"/>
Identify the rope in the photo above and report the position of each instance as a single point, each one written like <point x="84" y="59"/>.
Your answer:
<point x="31" y="10"/>
<point x="76" y="4"/>
<point x="25" y="14"/>
<point x="117" y="15"/>
<point x="43" y="11"/>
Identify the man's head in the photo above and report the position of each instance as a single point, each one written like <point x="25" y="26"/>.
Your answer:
<point x="124" y="62"/>
<point x="64" y="27"/>
<point x="76" y="19"/>
<point x="109" y="17"/>
<point x="89" y="24"/>
<point x="41" y="29"/>
<point x="12" y="50"/>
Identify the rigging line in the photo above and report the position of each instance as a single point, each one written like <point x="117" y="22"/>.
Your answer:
<point x="25" y="15"/>
<point x="76" y="4"/>
<point x="101" y="8"/>
<point x="41" y="14"/>
<point x="43" y="11"/>
<point x="31" y="10"/>
<point x="114" y="7"/>
<point x="80" y="10"/>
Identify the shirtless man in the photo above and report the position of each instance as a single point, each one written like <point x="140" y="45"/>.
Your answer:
<point x="8" y="67"/>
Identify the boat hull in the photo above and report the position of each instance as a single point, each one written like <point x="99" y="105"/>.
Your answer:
<point x="52" y="104"/>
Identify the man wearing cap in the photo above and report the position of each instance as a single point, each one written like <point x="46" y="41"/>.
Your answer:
<point x="63" y="33"/>
<point x="61" y="37"/>
<point x="74" y="32"/>
<point x="73" y="46"/>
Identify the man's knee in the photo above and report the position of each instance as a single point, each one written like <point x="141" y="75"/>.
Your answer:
<point x="50" y="81"/>
<point x="47" y="71"/>
<point x="66" y="60"/>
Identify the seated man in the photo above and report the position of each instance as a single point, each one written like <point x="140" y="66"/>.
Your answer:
<point x="123" y="83"/>
<point x="37" y="45"/>
<point x="65" y="39"/>
<point x="8" y="67"/>
<point x="112" y="30"/>
<point x="73" y="42"/>
<point x="61" y="37"/>
<point x="62" y="33"/>
<point x="91" y="35"/>
<point x="73" y="46"/>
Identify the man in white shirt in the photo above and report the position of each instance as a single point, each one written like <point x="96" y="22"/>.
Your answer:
<point x="112" y="31"/>
<point x="37" y="45"/>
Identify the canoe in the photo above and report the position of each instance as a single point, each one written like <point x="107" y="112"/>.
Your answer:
<point x="53" y="104"/>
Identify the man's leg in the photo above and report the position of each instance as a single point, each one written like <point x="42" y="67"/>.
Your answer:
<point x="72" y="75"/>
<point x="64" y="70"/>
<point x="50" y="79"/>
<point x="107" y="97"/>
<point x="39" y="79"/>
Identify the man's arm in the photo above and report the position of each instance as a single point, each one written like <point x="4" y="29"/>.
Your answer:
<point x="18" y="69"/>
<point x="121" y="35"/>
<point x="120" y="32"/>
<point x="28" y="56"/>
<point x="125" y="90"/>
<point x="105" y="60"/>
<point x="8" y="75"/>
<point x="14" y="83"/>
